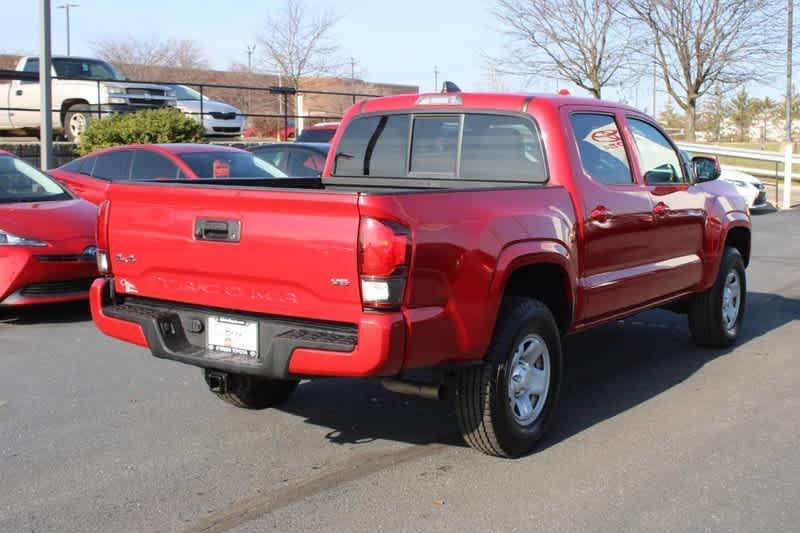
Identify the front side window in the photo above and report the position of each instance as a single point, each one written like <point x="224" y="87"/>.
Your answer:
<point x="658" y="160"/>
<point x="601" y="148"/>
<point x="20" y="182"/>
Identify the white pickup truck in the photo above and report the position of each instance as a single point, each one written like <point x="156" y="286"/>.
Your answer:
<point x="95" y="88"/>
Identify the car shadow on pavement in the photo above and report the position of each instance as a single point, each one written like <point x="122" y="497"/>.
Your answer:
<point x="65" y="313"/>
<point x="616" y="367"/>
<point x="608" y="370"/>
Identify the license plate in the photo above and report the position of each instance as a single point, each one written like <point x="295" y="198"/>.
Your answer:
<point x="232" y="336"/>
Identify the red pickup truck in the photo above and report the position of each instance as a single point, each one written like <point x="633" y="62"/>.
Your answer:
<point x="461" y="233"/>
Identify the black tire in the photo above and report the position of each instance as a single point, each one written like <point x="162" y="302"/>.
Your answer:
<point x="250" y="392"/>
<point x="486" y="419"/>
<point x="706" y="322"/>
<point x="76" y="115"/>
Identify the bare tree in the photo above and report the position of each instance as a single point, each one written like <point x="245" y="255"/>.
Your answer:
<point x="130" y="54"/>
<point x="582" y="41"/>
<point x="704" y="43"/>
<point x="298" y="45"/>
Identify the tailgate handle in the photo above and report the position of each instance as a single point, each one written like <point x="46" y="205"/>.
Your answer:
<point x="217" y="230"/>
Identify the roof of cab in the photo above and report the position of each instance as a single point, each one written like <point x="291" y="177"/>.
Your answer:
<point x="483" y="100"/>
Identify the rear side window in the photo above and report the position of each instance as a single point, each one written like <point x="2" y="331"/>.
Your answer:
<point x="152" y="166"/>
<point x="114" y="166"/>
<point x="601" y="148"/>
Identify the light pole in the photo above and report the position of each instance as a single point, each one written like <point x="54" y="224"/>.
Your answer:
<point x="46" y="102"/>
<point x="66" y="7"/>
<point x="250" y="51"/>
<point x="788" y="147"/>
<point x="435" y="78"/>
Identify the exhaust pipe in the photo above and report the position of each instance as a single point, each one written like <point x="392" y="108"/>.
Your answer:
<point x="421" y="390"/>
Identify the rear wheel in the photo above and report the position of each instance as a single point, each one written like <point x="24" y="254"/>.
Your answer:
<point x="504" y="406"/>
<point x="249" y="392"/>
<point x="715" y="316"/>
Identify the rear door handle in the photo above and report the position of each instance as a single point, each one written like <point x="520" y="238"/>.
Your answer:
<point x="660" y="209"/>
<point x="19" y="92"/>
<point x="601" y="214"/>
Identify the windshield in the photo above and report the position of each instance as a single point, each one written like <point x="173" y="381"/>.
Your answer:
<point x="182" y="92"/>
<point x="20" y="182"/>
<point x="230" y="165"/>
<point x="69" y="67"/>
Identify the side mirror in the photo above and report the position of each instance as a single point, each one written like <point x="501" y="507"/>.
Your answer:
<point x="706" y="168"/>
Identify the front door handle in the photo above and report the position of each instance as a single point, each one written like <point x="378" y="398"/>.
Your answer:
<point x="660" y="209"/>
<point x="601" y="214"/>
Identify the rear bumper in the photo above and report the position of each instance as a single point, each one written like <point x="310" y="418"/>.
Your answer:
<point x="287" y="347"/>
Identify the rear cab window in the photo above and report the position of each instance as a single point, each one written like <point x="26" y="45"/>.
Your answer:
<point x="462" y="146"/>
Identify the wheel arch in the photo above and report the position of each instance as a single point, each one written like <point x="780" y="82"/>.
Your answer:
<point x="541" y="270"/>
<point x="66" y="105"/>
<point x="739" y="237"/>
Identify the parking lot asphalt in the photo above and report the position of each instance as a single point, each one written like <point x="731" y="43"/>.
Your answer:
<point x="652" y="434"/>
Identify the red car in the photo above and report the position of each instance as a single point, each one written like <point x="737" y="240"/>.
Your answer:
<point x="90" y="176"/>
<point x="318" y="133"/>
<point x="47" y="245"/>
<point x="461" y="233"/>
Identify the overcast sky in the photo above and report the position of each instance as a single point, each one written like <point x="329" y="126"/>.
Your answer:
<point x="393" y="42"/>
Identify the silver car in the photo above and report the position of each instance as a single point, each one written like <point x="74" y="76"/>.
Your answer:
<point x="219" y="118"/>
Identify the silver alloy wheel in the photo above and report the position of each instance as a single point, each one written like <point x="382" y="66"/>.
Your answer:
<point x="731" y="300"/>
<point x="77" y="123"/>
<point x="529" y="379"/>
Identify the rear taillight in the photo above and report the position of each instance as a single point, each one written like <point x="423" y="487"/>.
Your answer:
<point x="384" y="253"/>
<point x="101" y="237"/>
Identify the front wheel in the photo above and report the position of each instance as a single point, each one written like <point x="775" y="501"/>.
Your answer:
<point x="715" y="316"/>
<point x="504" y="406"/>
<point x="76" y="121"/>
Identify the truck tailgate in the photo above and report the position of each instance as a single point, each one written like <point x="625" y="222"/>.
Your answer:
<point x="259" y="250"/>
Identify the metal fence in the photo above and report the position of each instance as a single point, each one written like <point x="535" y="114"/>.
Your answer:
<point x="282" y="92"/>
<point x="773" y="165"/>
